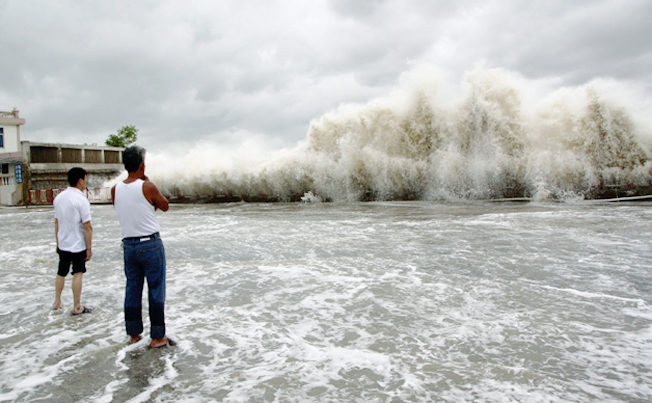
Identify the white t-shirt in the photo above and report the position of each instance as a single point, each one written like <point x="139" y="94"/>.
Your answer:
<point x="71" y="209"/>
<point x="135" y="214"/>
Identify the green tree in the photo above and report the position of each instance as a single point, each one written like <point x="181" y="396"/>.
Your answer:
<point x="126" y="135"/>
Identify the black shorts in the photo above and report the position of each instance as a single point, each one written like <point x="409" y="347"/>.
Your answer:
<point x="78" y="261"/>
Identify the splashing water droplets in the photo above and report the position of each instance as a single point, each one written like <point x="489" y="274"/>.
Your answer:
<point x="413" y="144"/>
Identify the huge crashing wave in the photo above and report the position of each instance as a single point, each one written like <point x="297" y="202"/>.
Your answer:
<point x="421" y="142"/>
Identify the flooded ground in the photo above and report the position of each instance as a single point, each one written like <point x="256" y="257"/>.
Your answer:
<point x="334" y="302"/>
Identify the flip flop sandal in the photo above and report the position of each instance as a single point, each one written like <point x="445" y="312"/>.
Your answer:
<point x="85" y="310"/>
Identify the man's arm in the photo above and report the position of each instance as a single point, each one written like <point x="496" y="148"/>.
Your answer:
<point x="113" y="195"/>
<point x="155" y="197"/>
<point x="56" y="232"/>
<point x="88" y="236"/>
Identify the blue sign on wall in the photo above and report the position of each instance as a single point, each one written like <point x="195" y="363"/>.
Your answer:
<point x="19" y="173"/>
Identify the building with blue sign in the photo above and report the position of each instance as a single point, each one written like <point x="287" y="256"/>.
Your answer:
<point x="34" y="173"/>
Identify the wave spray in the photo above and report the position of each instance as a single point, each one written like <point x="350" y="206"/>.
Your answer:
<point x="485" y="139"/>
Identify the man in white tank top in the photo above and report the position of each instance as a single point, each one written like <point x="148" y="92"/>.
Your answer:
<point x="135" y="201"/>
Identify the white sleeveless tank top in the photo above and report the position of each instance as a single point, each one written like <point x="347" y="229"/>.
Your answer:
<point x="135" y="214"/>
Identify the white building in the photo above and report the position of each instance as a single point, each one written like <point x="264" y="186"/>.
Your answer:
<point x="11" y="176"/>
<point x="34" y="173"/>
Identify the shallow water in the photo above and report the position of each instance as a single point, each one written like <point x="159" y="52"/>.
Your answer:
<point x="373" y="302"/>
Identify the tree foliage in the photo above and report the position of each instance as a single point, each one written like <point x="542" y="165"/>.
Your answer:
<point x="126" y="136"/>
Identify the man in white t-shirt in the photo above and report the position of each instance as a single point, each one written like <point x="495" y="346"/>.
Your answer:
<point x="74" y="233"/>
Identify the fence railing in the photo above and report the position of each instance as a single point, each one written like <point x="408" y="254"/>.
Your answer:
<point x="5" y="114"/>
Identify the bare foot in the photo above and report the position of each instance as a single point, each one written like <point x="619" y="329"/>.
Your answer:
<point x="156" y="343"/>
<point x="134" y="338"/>
<point x="56" y="306"/>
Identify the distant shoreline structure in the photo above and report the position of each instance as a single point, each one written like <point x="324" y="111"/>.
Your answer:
<point x="611" y="193"/>
<point x="604" y="193"/>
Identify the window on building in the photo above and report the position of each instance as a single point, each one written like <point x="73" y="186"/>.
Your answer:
<point x="2" y="137"/>
<point x="19" y="173"/>
<point x="5" y="169"/>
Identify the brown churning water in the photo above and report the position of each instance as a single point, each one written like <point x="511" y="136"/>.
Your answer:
<point x="485" y="140"/>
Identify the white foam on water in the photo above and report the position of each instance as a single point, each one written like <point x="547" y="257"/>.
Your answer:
<point x="401" y="301"/>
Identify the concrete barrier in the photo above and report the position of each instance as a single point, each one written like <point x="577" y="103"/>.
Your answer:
<point x="96" y="195"/>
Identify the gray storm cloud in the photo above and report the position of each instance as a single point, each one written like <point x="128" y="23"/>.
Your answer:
<point x="191" y="72"/>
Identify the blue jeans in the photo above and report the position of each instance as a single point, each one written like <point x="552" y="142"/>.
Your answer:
<point x="144" y="259"/>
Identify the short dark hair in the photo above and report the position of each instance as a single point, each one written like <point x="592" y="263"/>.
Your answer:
<point x="132" y="157"/>
<point x="75" y="174"/>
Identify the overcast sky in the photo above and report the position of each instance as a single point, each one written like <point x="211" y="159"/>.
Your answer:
<point x="187" y="72"/>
